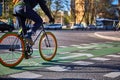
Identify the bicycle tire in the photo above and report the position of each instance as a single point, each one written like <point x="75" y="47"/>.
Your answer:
<point x="48" y="52"/>
<point x="11" y="49"/>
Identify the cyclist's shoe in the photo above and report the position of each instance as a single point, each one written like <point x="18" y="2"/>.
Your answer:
<point x="30" y="41"/>
<point x="28" y="57"/>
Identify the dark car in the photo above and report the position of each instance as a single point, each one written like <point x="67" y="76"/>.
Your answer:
<point x="5" y="27"/>
<point x="92" y="27"/>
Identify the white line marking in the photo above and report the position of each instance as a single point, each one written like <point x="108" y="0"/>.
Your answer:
<point x="27" y="75"/>
<point x="112" y="74"/>
<point x="100" y="59"/>
<point x="30" y="63"/>
<point x="62" y="46"/>
<point x="84" y="44"/>
<point x="64" y="53"/>
<point x="98" y="48"/>
<point x="86" y="47"/>
<point x="93" y="43"/>
<point x="57" y="68"/>
<point x="77" y="55"/>
<point x="116" y="56"/>
<point x="75" y="45"/>
<point x="36" y="49"/>
<point x="108" y="42"/>
<point x="85" y="63"/>
<point x="107" y="37"/>
<point x="36" y="56"/>
<point x="118" y="53"/>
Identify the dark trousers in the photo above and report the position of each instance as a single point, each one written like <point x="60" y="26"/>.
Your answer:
<point x="27" y="13"/>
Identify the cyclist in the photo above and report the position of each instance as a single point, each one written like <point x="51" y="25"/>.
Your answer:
<point x="25" y="9"/>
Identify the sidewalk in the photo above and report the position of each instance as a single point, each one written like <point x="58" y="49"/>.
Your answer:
<point x="111" y="35"/>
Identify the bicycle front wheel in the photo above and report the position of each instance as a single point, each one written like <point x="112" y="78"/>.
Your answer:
<point x="11" y="49"/>
<point x="48" y="46"/>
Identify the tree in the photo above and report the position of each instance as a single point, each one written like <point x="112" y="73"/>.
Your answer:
<point x="106" y="8"/>
<point x="8" y="8"/>
<point x="96" y="7"/>
<point x="59" y="5"/>
<point x="49" y="3"/>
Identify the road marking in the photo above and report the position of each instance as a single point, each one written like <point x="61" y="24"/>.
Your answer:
<point x="116" y="56"/>
<point x="77" y="55"/>
<point x="98" y="48"/>
<point x="64" y="53"/>
<point x="30" y="63"/>
<point x="108" y="42"/>
<point x="107" y="37"/>
<point x="93" y="43"/>
<point x="112" y="74"/>
<point x="36" y="49"/>
<point x="85" y="63"/>
<point x="118" y="53"/>
<point x="36" y="56"/>
<point x="62" y="46"/>
<point x="84" y="44"/>
<point x="75" y="45"/>
<point x="26" y="75"/>
<point x="57" y="68"/>
<point x="82" y="50"/>
<point x="87" y="47"/>
<point x="100" y="59"/>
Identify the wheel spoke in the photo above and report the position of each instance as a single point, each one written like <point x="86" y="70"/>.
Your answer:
<point x="48" y="46"/>
<point x="12" y="50"/>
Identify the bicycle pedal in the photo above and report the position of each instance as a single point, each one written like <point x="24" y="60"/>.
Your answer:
<point x="26" y="55"/>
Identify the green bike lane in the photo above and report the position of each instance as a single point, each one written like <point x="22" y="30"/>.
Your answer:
<point x="65" y="54"/>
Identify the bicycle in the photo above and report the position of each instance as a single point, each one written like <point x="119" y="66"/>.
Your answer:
<point x="14" y="47"/>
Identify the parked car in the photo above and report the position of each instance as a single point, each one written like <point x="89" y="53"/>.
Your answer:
<point x="92" y="27"/>
<point x="64" y="27"/>
<point x="5" y="27"/>
<point x="109" y="27"/>
<point x="99" y="25"/>
<point x="53" y="26"/>
<point x="77" y="26"/>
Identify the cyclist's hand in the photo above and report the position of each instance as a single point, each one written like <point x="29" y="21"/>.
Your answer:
<point x="52" y="20"/>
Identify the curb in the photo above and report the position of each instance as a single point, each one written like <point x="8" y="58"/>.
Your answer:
<point x="106" y="37"/>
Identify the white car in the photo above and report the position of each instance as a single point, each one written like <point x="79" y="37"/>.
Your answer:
<point x="77" y="26"/>
<point x="99" y="24"/>
<point x="53" y="26"/>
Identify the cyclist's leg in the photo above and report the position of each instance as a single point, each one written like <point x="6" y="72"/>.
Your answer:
<point x="20" y="10"/>
<point x="22" y="21"/>
<point x="31" y="14"/>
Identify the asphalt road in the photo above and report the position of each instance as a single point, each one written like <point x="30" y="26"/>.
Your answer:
<point x="75" y="37"/>
<point x="105" y="67"/>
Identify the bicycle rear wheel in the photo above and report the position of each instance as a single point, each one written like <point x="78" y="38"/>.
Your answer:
<point x="48" y="46"/>
<point x="11" y="49"/>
